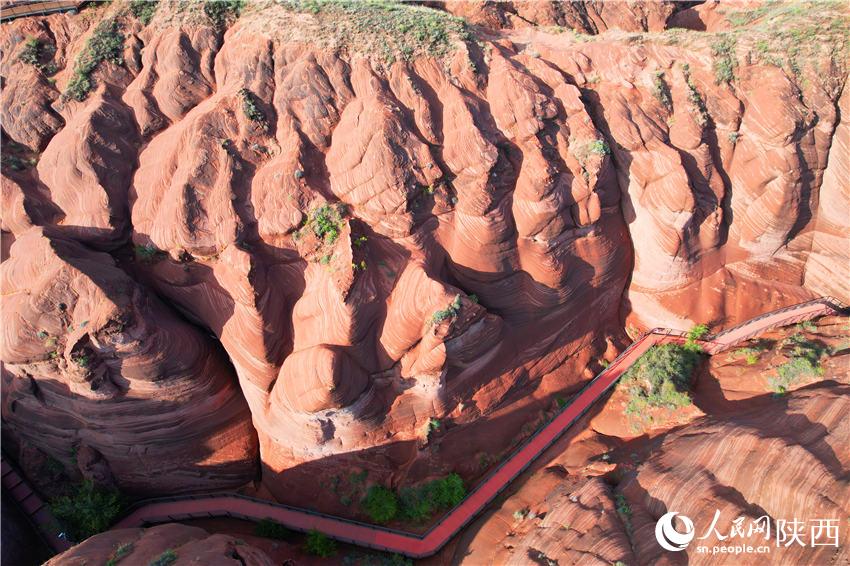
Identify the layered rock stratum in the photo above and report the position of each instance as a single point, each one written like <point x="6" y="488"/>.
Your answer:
<point x="305" y="223"/>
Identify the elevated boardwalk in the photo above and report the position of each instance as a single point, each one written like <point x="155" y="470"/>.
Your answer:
<point x="23" y="8"/>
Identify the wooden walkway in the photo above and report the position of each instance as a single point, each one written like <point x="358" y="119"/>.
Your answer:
<point x="180" y="508"/>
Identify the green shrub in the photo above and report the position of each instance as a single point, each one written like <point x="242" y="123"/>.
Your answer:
<point x="88" y="511"/>
<point x="121" y="552"/>
<point x="220" y="12"/>
<point x="724" y="64"/>
<point x="268" y="528"/>
<point x="164" y="559"/>
<point x="319" y="544"/>
<point x="326" y="222"/>
<point x="143" y="10"/>
<point x="105" y="44"/>
<point x="380" y="504"/>
<point x="450" y="311"/>
<point x="250" y="108"/>
<point x="661" y="90"/>
<point x="31" y="52"/>
<point x="419" y="503"/>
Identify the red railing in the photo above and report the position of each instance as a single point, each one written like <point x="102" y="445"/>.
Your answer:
<point x="20" y="9"/>
<point x="186" y="507"/>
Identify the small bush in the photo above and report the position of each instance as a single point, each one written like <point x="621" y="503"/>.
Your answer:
<point x="268" y="528"/>
<point x="599" y="147"/>
<point x="319" y="544"/>
<point x="725" y="63"/>
<point x="327" y="222"/>
<point x="380" y="504"/>
<point x="31" y="52"/>
<point x="250" y="108"/>
<point x="733" y="137"/>
<point x="88" y="511"/>
<point x="661" y="90"/>
<point x="105" y="44"/>
<point x="450" y="311"/>
<point x="220" y="12"/>
<point x="121" y="552"/>
<point x="143" y="10"/>
<point x="164" y="559"/>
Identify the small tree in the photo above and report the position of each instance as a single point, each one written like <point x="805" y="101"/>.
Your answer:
<point x="90" y="510"/>
<point x="380" y="504"/>
<point x="319" y="544"/>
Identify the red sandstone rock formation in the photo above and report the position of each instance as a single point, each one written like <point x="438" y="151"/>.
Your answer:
<point x="754" y="455"/>
<point x="189" y="545"/>
<point x="101" y="376"/>
<point x="501" y="208"/>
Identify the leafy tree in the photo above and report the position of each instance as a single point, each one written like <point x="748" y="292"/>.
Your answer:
<point x="380" y="504"/>
<point x="319" y="544"/>
<point x="88" y="511"/>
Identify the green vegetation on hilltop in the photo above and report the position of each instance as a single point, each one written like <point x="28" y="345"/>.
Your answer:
<point x="105" y="44"/>
<point x="88" y="510"/>
<point x="220" y="12"/>
<point x="143" y="10"/>
<point x="392" y="30"/>
<point x="415" y="504"/>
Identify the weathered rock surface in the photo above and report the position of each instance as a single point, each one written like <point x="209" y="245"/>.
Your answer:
<point x="101" y="376"/>
<point x="189" y="545"/>
<point x="376" y="243"/>
<point x="755" y="455"/>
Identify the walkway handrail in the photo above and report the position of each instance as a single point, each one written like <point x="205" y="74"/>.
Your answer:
<point x="415" y="545"/>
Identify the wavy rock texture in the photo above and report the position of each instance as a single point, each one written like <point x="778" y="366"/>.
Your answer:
<point x="756" y="455"/>
<point x="100" y="375"/>
<point x="189" y="545"/>
<point x="505" y="208"/>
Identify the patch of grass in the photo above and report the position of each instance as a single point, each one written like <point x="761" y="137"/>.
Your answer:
<point x="30" y="52"/>
<point x="450" y="311"/>
<point x="390" y="30"/>
<point x="165" y="559"/>
<point x="694" y="97"/>
<point x="143" y="10"/>
<point x="661" y="91"/>
<point x="804" y="363"/>
<point x="221" y="12"/>
<point x="380" y="504"/>
<point x="724" y="63"/>
<point x="319" y="544"/>
<point x="269" y="528"/>
<point x="624" y="510"/>
<point x="660" y="378"/>
<point x="105" y="44"/>
<point x="88" y="511"/>
<point x="122" y="551"/>
<point x="808" y="326"/>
